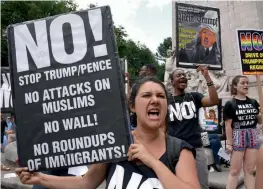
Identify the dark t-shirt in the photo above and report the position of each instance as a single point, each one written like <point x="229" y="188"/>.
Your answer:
<point x="242" y="112"/>
<point x="183" y="118"/>
<point x="3" y="126"/>
<point x="128" y="175"/>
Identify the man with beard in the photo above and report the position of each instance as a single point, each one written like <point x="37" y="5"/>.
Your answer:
<point x="183" y="115"/>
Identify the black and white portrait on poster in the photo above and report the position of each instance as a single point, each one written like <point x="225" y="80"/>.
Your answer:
<point x="68" y="91"/>
<point x="198" y="36"/>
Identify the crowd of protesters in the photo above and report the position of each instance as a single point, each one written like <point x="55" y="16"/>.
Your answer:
<point x="8" y="134"/>
<point x="158" y="117"/>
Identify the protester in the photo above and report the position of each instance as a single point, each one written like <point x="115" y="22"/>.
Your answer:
<point x="183" y="115"/>
<point x="148" y="70"/>
<point x="147" y="157"/>
<point x="259" y="173"/>
<point x="241" y="115"/>
<point x="127" y="81"/>
<point x="214" y="139"/>
<point x="11" y="131"/>
<point x="9" y="122"/>
<point x="215" y="145"/>
<point x="3" y="127"/>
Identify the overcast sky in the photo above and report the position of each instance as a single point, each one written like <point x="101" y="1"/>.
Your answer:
<point x="147" y="21"/>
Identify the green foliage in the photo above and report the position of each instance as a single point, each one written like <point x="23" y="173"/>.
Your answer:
<point x="164" y="46"/>
<point x="161" y="71"/>
<point x="20" y="11"/>
<point x="137" y="54"/>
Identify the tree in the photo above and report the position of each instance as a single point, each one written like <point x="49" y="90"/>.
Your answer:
<point x="164" y="46"/>
<point x="161" y="71"/>
<point x="121" y="36"/>
<point x="137" y="54"/>
<point x="13" y="12"/>
<point x="17" y="12"/>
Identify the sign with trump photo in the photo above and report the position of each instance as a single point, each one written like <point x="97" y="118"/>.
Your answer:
<point x="209" y="118"/>
<point x="198" y="39"/>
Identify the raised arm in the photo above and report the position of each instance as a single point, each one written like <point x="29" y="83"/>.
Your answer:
<point x="212" y="99"/>
<point x="92" y="179"/>
<point x="205" y="113"/>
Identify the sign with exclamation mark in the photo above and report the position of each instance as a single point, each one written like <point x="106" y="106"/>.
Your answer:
<point x="70" y="105"/>
<point x="95" y="20"/>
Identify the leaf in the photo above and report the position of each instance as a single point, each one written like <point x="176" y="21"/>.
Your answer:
<point x="164" y="46"/>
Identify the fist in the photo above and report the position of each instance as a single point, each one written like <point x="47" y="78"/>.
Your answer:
<point x="27" y="177"/>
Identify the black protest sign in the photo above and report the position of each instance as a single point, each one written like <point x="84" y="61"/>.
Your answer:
<point x="250" y="44"/>
<point x="68" y="91"/>
<point x="198" y="36"/>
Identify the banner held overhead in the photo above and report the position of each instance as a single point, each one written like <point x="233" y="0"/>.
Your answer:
<point x="198" y="36"/>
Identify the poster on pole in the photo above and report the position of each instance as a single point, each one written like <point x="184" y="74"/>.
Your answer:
<point x="198" y="36"/>
<point x="68" y="91"/>
<point x="250" y="45"/>
<point x="6" y="102"/>
<point x="209" y="118"/>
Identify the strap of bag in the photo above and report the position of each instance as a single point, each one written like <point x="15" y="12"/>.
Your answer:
<point x="173" y="147"/>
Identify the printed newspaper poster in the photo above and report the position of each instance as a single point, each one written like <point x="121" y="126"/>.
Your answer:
<point x="198" y="38"/>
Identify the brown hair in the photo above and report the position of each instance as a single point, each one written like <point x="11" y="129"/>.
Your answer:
<point x="139" y="83"/>
<point x="234" y="84"/>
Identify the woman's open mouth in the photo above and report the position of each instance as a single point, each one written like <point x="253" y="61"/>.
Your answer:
<point x="153" y="113"/>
